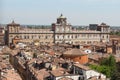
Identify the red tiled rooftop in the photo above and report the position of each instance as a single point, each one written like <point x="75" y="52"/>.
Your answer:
<point x="82" y="66"/>
<point x="74" y="52"/>
<point x="11" y="75"/>
<point x="59" y="72"/>
<point x="41" y="74"/>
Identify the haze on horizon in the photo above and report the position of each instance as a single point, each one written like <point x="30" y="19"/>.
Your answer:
<point x="45" y="12"/>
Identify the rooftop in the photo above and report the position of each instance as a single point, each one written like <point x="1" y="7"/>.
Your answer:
<point x="74" y="52"/>
<point x="61" y="16"/>
<point x="82" y="66"/>
<point x="59" y="72"/>
<point x="11" y="75"/>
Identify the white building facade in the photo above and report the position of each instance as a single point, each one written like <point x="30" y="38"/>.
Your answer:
<point x="61" y="32"/>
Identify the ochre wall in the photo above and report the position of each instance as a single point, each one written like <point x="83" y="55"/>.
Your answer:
<point x="81" y="59"/>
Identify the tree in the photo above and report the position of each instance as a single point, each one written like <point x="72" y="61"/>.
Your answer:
<point x="116" y="76"/>
<point x="112" y="64"/>
<point x="104" y="61"/>
<point x="115" y="33"/>
<point x="107" y="66"/>
<point x="102" y="69"/>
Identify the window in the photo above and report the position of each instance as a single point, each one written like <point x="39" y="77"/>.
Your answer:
<point x="53" y="36"/>
<point x="107" y="36"/>
<point x="103" y="36"/>
<point x="27" y="37"/>
<point x="83" y="35"/>
<point x="63" y="36"/>
<point x="32" y="36"/>
<point x="90" y="35"/>
<point x="24" y="37"/>
<point x="11" y="35"/>
<point x="58" y="37"/>
<point x="78" y="35"/>
<point x="72" y="36"/>
<point x="20" y="37"/>
<point x="46" y="37"/>
<point x="88" y="42"/>
<point x="68" y="36"/>
<point x="75" y="36"/>
<point x="39" y="37"/>
<point x="11" y="29"/>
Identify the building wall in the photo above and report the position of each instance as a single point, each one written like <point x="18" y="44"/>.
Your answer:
<point x="61" y="32"/>
<point x="64" y="33"/>
<point x="88" y="73"/>
<point x="31" y="37"/>
<point x="109" y="49"/>
<point x="74" y="77"/>
<point x="118" y="49"/>
<point x="41" y="37"/>
<point x="92" y="73"/>
<point x="81" y="38"/>
<point x="2" y="33"/>
<point x="81" y="59"/>
<point x="71" y="38"/>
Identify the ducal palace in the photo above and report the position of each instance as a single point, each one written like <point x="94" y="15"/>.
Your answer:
<point x="61" y="32"/>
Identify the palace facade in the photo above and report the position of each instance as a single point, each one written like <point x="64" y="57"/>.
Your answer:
<point x="61" y="32"/>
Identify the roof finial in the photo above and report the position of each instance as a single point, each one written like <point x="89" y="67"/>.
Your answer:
<point x="61" y="14"/>
<point x="13" y="21"/>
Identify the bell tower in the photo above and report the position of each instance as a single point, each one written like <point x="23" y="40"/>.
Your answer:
<point x="61" y="20"/>
<point x="104" y="30"/>
<point x="13" y="27"/>
<point x="61" y="28"/>
<point x="103" y="27"/>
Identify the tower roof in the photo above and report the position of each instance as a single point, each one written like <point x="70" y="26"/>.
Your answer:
<point x="61" y="16"/>
<point x="13" y="24"/>
<point x="74" y="52"/>
<point x="103" y="25"/>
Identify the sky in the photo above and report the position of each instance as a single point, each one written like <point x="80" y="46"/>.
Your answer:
<point x="45" y="12"/>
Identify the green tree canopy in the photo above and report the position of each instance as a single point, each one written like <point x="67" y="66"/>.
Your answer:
<point x="107" y="66"/>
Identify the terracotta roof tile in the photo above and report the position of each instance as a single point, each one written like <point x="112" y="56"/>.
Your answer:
<point x="74" y="52"/>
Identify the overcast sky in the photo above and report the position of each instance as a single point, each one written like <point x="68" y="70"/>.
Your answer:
<point x="45" y="12"/>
